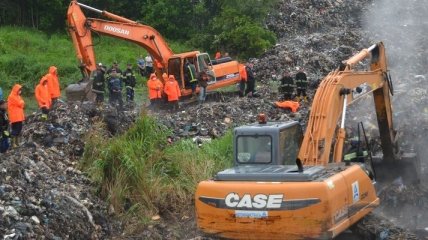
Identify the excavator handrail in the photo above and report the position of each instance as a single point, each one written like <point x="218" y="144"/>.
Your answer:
<point x="335" y="91"/>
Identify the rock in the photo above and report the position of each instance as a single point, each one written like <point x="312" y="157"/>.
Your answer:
<point x="35" y="220"/>
<point x="10" y="211"/>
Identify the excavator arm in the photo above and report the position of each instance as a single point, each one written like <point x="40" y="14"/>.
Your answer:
<point x="336" y="92"/>
<point x="81" y="28"/>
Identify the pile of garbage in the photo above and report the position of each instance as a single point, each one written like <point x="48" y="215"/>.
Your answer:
<point x="42" y="192"/>
<point x="314" y="35"/>
<point x="214" y="118"/>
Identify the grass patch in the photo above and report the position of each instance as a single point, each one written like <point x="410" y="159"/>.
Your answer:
<point x="141" y="168"/>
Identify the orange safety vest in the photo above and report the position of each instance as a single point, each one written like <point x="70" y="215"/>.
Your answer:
<point x="294" y="106"/>
<point x="15" y="105"/>
<point x="243" y="72"/>
<point x="217" y="55"/>
<point x="42" y="94"/>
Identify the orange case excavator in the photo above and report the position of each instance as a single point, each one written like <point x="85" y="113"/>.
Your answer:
<point x="284" y="188"/>
<point x="222" y="72"/>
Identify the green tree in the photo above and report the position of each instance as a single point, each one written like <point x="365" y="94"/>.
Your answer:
<point x="172" y="18"/>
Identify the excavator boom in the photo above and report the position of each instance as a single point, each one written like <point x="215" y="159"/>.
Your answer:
<point x="330" y="104"/>
<point x="80" y="29"/>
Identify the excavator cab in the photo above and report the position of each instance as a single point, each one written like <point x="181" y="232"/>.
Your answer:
<point x="204" y="64"/>
<point x="177" y="67"/>
<point x="267" y="143"/>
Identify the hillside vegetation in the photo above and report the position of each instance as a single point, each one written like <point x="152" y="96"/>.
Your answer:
<point x="140" y="171"/>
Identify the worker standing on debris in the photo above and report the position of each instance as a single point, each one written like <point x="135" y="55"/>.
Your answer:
<point x="43" y="97"/>
<point x="115" y="89"/>
<point x="98" y="82"/>
<point x="203" y="84"/>
<point x="149" y="65"/>
<point x="53" y="84"/>
<point x="15" y="108"/>
<point x="172" y="90"/>
<point x="287" y="86"/>
<point x="164" y="78"/>
<point x="243" y="82"/>
<point x="141" y="66"/>
<point x="4" y="127"/>
<point x="251" y="80"/>
<point x="130" y="83"/>
<point x="301" y="85"/>
<point x="190" y="76"/>
<point x="155" y="87"/>
<point x="116" y="68"/>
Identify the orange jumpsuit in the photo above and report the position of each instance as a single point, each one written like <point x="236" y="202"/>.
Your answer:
<point x="172" y="90"/>
<point x="294" y="106"/>
<point x="42" y="94"/>
<point x="53" y="83"/>
<point x="155" y="87"/>
<point x="15" y="105"/>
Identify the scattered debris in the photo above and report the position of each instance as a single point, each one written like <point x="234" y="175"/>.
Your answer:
<point x="42" y="193"/>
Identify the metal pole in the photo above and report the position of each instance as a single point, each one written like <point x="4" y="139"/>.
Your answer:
<point x="90" y="8"/>
<point x="342" y="124"/>
<point x="371" y="47"/>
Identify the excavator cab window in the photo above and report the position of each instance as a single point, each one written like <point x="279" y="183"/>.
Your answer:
<point x="289" y="143"/>
<point x="253" y="149"/>
<point x="204" y="64"/>
<point x="174" y="68"/>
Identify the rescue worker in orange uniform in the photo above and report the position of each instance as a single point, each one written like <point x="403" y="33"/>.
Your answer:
<point x="43" y="97"/>
<point x="53" y="84"/>
<point x="165" y="77"/>
<point x="243" y="82"/>
<point x="172" y="90"/>
<point x="155" y="87"/>
<point x="292" y="105"/>
<point x="217" y="55"/>
<point x="15" y="108"/>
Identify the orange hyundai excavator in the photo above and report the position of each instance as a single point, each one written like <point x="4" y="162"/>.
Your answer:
<point x="222" y="72"/>
<point x="288" y="186"/>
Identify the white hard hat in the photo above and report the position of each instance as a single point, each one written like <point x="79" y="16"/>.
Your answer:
<point x="100" y="64"/>
<point x="297" y="68"/>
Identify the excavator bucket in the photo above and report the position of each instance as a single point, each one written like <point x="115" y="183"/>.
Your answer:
<point x="80" y="91"/>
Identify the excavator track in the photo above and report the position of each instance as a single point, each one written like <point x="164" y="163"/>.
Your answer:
<point x="374" y="227"/>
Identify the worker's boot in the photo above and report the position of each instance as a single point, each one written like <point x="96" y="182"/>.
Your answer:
<point x="305" y="99"/>
<point x="14" y="141"/>
<point x="44" y="117"/>
<point x="297" y="99"/>
<point x="193" y="96"/>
